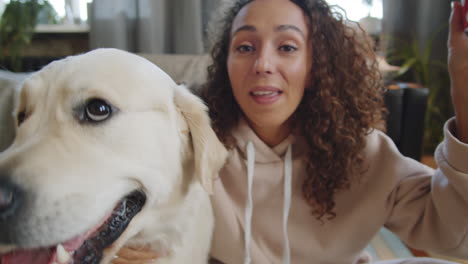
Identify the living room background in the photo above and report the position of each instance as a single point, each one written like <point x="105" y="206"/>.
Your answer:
<point x="162" y="26"/>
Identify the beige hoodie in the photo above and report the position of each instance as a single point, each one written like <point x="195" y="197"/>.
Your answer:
<point x="426" y="208"/>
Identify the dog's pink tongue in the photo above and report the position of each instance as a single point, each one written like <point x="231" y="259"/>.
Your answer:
<point x="74" y="243"/>
<point x="36" y="256"/>
<point x="44" y="255"/>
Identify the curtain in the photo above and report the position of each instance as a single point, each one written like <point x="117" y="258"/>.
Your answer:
<point x="151" y="26"/>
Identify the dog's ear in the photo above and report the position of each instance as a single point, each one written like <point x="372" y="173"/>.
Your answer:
<point x="209" y="153"/>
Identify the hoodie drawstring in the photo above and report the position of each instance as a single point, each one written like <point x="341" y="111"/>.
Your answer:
<point x="286" y="202"/>
<point x="249" y="206"/>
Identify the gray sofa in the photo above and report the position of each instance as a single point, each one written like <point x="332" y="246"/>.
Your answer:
<point x="190" y="69"/>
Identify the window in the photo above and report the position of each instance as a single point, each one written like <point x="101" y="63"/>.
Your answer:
<point x="356" y="9"/>
<point x="75" y="8"/>
<point x="59" y="6"/>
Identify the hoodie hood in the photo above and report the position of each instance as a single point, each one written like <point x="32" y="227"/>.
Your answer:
<point x="263" y="153"/>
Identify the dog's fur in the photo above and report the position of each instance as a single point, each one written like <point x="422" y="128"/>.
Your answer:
<point x="73" y="172"/>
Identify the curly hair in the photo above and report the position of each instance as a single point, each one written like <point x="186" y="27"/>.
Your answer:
<point x="343" y="103"/>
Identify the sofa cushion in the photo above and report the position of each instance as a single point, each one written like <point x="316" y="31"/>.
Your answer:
<point x="189" y="69"/>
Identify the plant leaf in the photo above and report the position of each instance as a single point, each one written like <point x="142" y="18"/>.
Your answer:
<point x="406" y="66"/>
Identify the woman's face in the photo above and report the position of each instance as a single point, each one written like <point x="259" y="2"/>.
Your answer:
<point x="269" y="63"/>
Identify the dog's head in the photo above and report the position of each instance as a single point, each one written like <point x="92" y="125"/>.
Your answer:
<point x="100" y="138"/>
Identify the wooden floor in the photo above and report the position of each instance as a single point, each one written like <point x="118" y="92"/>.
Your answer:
<point x="429" y="161"/>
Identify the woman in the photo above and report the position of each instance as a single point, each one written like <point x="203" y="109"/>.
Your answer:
<point x="309" y="178"/>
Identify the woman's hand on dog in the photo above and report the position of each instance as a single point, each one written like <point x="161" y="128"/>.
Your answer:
<point x="141" y="255"/>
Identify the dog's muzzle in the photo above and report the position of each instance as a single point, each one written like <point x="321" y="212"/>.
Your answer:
<point x="83" y="250"/>
<point x="91" y="250"/>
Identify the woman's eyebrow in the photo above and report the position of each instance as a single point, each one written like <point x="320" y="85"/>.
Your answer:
<point x="279" y="28"/>
<point x="245" y="28"/>
<point x="289" y="27"/>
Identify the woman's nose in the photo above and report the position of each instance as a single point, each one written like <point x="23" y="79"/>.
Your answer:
<point x="264" y="63"/>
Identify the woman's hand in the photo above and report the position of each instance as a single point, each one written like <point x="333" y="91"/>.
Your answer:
<point x="458" y="70"/>
<point x="142" y="255"/>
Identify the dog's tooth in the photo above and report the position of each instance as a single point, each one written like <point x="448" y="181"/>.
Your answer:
<point x="63" y="256"/>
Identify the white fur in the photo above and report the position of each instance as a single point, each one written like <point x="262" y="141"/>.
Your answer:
<point x="159" y="140"/>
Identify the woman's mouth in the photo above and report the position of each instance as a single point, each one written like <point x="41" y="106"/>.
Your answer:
<point x="265" y="96"/>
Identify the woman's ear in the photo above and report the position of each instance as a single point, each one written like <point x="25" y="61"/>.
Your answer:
<point x="209" y="153"/>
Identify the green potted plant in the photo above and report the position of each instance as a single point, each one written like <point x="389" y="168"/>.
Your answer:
<point x="418" y="66"/>
<point x="17" y="25"/>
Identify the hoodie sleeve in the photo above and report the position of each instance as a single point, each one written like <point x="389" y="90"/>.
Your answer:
<point x="429" y="209"/>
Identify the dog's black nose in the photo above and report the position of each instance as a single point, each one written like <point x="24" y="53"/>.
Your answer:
<point x="10" y="198"/>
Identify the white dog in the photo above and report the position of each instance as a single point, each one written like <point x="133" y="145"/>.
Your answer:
<point x="109" y="151"/>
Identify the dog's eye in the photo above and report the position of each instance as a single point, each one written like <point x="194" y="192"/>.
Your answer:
<point x="21" y="117"/>
<point x="97" y="110"/>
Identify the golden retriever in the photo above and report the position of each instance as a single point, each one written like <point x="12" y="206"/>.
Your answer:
<point x="109" y="151"/>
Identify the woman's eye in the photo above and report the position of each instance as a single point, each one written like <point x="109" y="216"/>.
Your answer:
<point x="21" y="117"/>
<point x="97" y="110"/>
<point x="244" y="48"/>
<point x="287" y="48"/>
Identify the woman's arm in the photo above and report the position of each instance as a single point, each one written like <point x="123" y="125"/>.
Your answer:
<point x="458" y="69"/>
